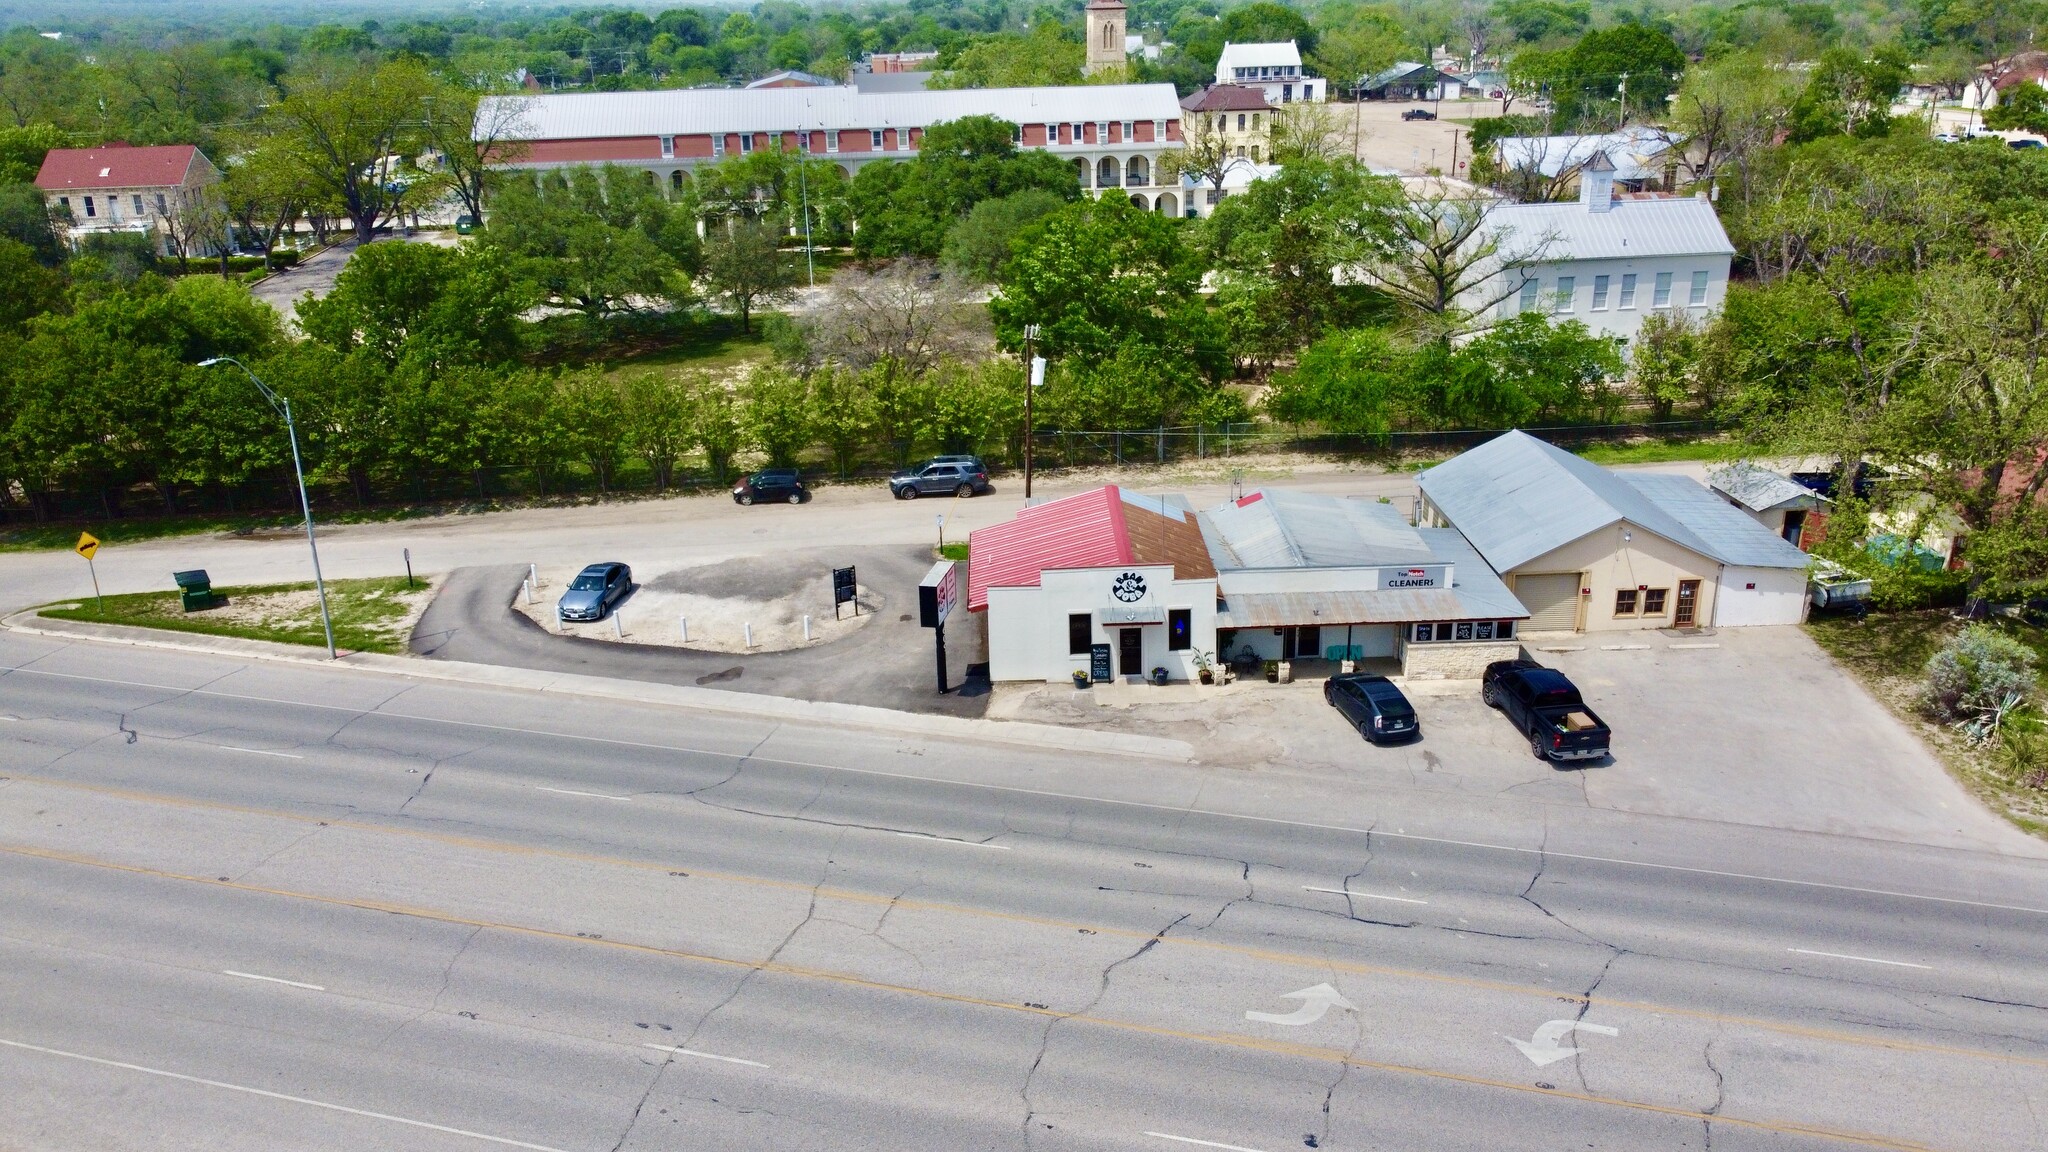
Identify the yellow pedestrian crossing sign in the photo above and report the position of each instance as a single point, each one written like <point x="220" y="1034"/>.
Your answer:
<point x="87" y="545"/>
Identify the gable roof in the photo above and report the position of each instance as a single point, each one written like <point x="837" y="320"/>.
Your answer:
<point x="1101" y="528"/>
<point x="116" y="166"/>
<point x="1517" y="498"/>
<point x="1760" y="489"/>
<point x="1404" y="70"/>
<point x="1628" y="230"/>
<point x="1637" y="152"/>
<point x="1226" y="98"/>
<point x="1272" y="54"/>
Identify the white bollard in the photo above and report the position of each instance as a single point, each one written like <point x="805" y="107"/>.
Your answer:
<point x="533" y="574"/>
<point x="807" y="629"/>
<point x="683" y="622"/>
<point x="619" y="624"/>
<point x="526" y="589"/>
<point x="749" y="632"/>
<point x="560" y="624"/>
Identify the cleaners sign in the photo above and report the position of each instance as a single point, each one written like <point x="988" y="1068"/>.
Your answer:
<point x="1436" y="576"/>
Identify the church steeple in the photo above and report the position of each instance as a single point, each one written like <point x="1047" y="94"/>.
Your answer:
<point x="1105" y="35"/>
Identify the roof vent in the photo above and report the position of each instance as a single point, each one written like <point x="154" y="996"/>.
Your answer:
<point x="104" y="171"/>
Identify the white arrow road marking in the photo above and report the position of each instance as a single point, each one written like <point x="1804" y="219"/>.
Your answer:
<point x="277" y="1096"/>
<point x="1363" y="895"/>
<point x="1315" y="1002"/>
<point x="1864" y="959"/>
<point x="704" y="1055"/>
<point x="1202" y="1143"/>
<point x="572" y="792"/>
<point x="259" y="752"/>
<point x="951" y="840"/>
<point x="1542" y="1048"/>
<point x="270" y="979"/>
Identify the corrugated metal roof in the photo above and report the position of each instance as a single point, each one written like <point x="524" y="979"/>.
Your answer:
<point x="1630" y="229"/>
<point x="1516" y="498"/>
<point x="1279" y="53"/>
<point x="1276" y="528"/>
<point x="1391" y="606"/>
<point x="1759" y="489"/>
<point x="1079" y="531"/>
<point x="1477" y="587"/>
<point x="1636" y="153"/>
<point x="1728" y="533"/>
<point x="696" y="111"/>
<point x="116" y="166"/>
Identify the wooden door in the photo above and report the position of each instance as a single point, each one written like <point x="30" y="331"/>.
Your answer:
<point x="1688" y="604"/>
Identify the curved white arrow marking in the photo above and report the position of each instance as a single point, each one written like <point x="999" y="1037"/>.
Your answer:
<point x="1314" y="1002"/>
<point x="1543" y="1048"/>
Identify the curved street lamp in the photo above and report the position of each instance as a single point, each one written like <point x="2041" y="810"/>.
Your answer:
<point x="283" y="407"/>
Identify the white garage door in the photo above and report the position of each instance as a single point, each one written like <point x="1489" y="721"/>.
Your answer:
<point x="1752" y="596"/>
<point x="1552" y="600"/>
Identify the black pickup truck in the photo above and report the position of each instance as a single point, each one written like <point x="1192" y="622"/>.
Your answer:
<point x="1547" y="708"/>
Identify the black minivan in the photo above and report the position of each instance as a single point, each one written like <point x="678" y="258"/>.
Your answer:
<point x="1374" y="706"/>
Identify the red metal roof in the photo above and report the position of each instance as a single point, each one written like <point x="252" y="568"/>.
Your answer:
<point x="1226" y="98"/>
<point x="1081" y="531"/>
<point x="116" y="166"/>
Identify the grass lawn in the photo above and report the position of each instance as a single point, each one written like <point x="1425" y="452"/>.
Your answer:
<point x="374" y="615"/>
<point x="953" y="550"/>
<point x="132" y="530"/>
<point x="1658" y="451"/>
<point x="1887" y="651"/>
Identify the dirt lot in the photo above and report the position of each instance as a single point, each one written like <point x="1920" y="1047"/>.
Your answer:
<point x="1413" y="147"/>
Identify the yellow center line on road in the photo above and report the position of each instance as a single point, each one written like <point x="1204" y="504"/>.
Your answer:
<point x="1318" y="963"/>
<point x="1225" y="1040"/>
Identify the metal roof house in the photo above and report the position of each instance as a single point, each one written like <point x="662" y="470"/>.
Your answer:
<point x="1586" y="548"/>
<point x="1410" y="80"/>
<point x="1779" y="503"/>
<point x="1273" y="68"/>
<point x="1275" y="575"/>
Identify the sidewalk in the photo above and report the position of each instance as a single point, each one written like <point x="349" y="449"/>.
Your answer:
<point x="1038" y="736"/>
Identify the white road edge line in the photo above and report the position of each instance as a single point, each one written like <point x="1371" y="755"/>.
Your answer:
<point x="573" y="792"/>
<point x="1364" y="895"/>
<point x="951" y="840"/>
<point x="258" y="752"/>
<point x="278" y="1096"/>
<point x="704" y="1055"/>
<point x="271" y="979"/>
<point x="1203" y="1143"/>
<point x="1176" y="809"/>
<point x="1864" y="959"/>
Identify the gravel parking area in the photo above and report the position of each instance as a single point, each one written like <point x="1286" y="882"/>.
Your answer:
<point x="1750" y="726"/>
<point x="745" y="605"/>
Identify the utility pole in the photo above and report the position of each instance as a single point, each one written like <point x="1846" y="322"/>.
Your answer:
<point x="1034" y="375"/>
<point x="803" y="173"/>
<point x="1621" y="117"/>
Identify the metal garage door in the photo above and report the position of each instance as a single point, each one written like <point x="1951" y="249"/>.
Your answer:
<point x="1552" y="601"/>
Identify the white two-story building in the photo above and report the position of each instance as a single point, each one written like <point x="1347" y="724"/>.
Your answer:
<point x="1274" y="69"/>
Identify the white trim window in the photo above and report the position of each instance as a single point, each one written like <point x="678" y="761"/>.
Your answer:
<point x="831" y="139"/>
<point x="1661" y="297"/>
<point x="1052" y="134"/>
<point x="1567" y="288"/>
<point x="746" y="143"/>
<point x="1102" y="131"/>
<point x="1158" y="131"/>
<point x="1531" y="288"/>
<point x="1600" y="293"/>
<point x="139" y="209"/>
<point x="1698" y="296"/>
<point x="1130" y="131"/>
<point x="668" y="147"/>
<point x="1017" y="135"/>
<point x="1628" y="290"/>
<point x="775" y="141"/>
<point x="875" y="139"/>
<point x="718" y="144"/>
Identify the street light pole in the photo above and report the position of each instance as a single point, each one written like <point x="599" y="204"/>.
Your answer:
<point x="1034" y="375"/>
<point x="283" y="407"/>
<point x="803" y="178"/>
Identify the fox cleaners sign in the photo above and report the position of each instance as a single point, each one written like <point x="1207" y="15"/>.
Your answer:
<point x="1432" y="577"/>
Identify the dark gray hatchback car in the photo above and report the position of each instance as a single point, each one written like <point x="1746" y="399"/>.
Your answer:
<point x="1374" y="706"/>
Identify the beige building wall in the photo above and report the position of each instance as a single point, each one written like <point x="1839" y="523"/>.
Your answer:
<point x="1454" y="661"/>
<point x="1621" y="556"/>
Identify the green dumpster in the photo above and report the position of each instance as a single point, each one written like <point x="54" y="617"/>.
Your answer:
<point x="196" y="590"/>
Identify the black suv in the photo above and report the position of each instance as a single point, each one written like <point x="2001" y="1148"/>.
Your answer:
<point x="771" y="485"/>
<point x="955" y="475"/>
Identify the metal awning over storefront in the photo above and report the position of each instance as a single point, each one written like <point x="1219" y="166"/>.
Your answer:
<point x="1393" y="606"/>
<point x="1119" y="615"/>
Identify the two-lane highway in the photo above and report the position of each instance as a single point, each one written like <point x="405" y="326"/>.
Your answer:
<point x="258" y="907"/>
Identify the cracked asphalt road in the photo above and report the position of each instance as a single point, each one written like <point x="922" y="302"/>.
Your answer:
<point x="605" y="926"/>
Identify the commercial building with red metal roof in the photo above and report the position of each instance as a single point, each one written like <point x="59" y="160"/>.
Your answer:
<point x="121" y="188"/>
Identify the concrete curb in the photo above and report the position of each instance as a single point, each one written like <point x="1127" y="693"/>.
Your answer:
<point x="1044" y="737"/>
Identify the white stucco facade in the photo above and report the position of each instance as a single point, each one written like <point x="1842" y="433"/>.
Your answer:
<point x="1031" y="633"/>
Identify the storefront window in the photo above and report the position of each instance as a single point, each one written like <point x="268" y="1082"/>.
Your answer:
<point x="1465" y="630"/>
<point x="1625" y="602"/>
<point x="1482" y="630"/>
<point x="1424" y="633"/>
<point x="1180" y="628"/>
<point x="1080" y="633"/>
<point x="1653" y="602"/>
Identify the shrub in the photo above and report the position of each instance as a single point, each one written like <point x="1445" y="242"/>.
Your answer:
<point x="2022" y="755"/>
<point x="1975" y="672"/>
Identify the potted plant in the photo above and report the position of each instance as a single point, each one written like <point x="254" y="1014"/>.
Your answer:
<point x="1080" y="677"/>
<point x="1272" y="671"/>
<point x="1205" y="666"/>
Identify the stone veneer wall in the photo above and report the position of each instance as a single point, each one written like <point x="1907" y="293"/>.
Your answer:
<point x="1454" y="661"/>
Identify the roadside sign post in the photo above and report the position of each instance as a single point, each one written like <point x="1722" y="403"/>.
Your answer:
<point x="844" y="590"/>
<point x="86" y="546"/>
<point x="937" y="594"/>
<point x="408" y="568"/>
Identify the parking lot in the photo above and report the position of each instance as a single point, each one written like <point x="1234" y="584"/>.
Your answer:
<point x="1748" y="726"/>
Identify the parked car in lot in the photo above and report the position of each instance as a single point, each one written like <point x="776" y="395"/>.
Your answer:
<point x="594" y="590"/>
<point x="1374" y="706"/>
<point x="771" y="486"/>
<point x="955" y="475"/>
<point x="1418" y="114"/>
<point x="2025" y="142"/>
<point x="1547" y="708"/>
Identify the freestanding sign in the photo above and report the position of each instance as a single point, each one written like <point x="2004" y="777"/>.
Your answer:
<point x="87" y="545"/>
<point x="1098" y="663"/>
<point x="937" y="595"/>
<point x="843" y="590"/>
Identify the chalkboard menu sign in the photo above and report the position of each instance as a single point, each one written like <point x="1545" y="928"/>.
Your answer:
<point x="843" y="587"/>
<point x="1098" y="663"/>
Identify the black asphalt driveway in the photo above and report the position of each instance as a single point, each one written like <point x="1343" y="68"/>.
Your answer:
<point x="886" y="664"/>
